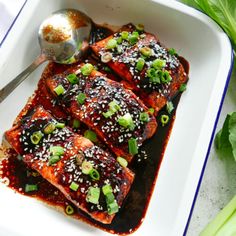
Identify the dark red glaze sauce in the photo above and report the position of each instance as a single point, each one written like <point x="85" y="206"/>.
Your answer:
<point x="145" y="166"/>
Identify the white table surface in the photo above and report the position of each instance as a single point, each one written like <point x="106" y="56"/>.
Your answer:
<point x="219" y="181"/>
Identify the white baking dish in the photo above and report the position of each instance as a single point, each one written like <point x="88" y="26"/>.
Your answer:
<point x="195" y="37"/>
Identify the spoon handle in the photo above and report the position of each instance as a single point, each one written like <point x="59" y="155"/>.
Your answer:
<point x="6" y="90"/>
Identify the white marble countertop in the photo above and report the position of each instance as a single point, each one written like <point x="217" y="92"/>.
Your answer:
<point x="219" y="181"/>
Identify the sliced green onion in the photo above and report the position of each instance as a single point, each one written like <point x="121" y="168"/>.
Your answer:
<point x="60" y="125"/>
<point x="93" y="195"/>
<point x="70" y="210"/>
<point x="109" y="198"/>
<point x="165" y="77"/>
<point x="89" y="134"/>
<point x="36" y="137"/>
<point x="76" y="124"/>
<point x="122" y="161"/>
<point x="158" y="63"/>
<point x="112" y="208"/>
<point x="106" y="57"/>
<point x="108" y="114"/>
<point x="151" y="73"/>
<point x="86" y="167"/>
<point x="136" y="33"/>
<point x="155" y="80"/>
<point x="133" y="39"/>
<point x="119" y="40"/>
<point x="87" y="69"/>
<point x="31" y="188"/>
<point x="59" y="90"/>
<point x="143" y="116"/>
<point x="57" y="150"/>
<point x="139" y="27"/>
<point x="72" y="78"/>
<point x="172" y="52"/>
<point x="106" y="189"/>
<point x="53" y="160"/>
<point x="94" y="174"/>
<point x="112" y="43"/>
<point x="164" y="119"/>
<point x="126" y="121"/>
<point x="74" y="186"/>
<point x="124" y="34"/>
<point x="81" y="98"/>
<point x="133" y="146"/>
<point x="169" y="107"/>
<point x="146" y="51"/>
<point x="49" y="128"/>
<point x="151" y="110"/>
<point x="114" y="106"/>
<point x="119" y="49"/>
<point x="140" y="64"/>
<point x="107" y="69"/>
<point x="182" y="87"/>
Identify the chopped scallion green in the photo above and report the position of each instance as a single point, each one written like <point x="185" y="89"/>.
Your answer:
<point x="107" y="189"/>
<point x="89" y="134"/>
<point x="87" y="69"/>
<point x="112" y="208"/>
<point x="122" y="161"/>
<point x="57" y="150"/>
<point x="53" y="160"/>
<point x="86" y="167"/>
<point x="59" y="90"/>
<point x="81" y="98"/>
<point x="112" y="43"/>
<point x="140" y="64"/>
<point x="126" y="121"/>
<point x="183" y="87"/>
<point x="74" y="186"/>
<point x="165" y="77"/>
<point x="93" y="195"/>
<point x="133" y="39"/>
<point x="119" y="40"/>
<point x="76" y="124"/>
<point x="133" y="146"/>
<point x="164" y="119"/>
<point x="94" y="174"/>
<point x="169" y="107"/>
<point x="72" y="78"/>
<point x="172" y="52"/>
<point x="143" y="116"/>
<point x="146" y="51"/>
<point x="36" y="137"/>
<point x="31" y="188"/>
<point x="140" y="27"/>
<point x="49" y="128"/>
<point x="60" y="125"/>
<point x="151" y="110"/>
<point x="70" y="210"/>
<point x="109" y="198"/>
<point x="158" y="64"/>
<point x="124" y="34"/>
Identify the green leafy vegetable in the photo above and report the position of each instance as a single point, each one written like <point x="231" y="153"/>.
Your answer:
<point x="222" y="11"/>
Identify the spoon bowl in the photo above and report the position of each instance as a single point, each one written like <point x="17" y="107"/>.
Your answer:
<point x="63" y="38"/>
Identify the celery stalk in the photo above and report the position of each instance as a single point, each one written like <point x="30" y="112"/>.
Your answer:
<point x="223" y="221"/>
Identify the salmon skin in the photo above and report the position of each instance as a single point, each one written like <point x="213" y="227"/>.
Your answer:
<point x="154" y="90"/>
<point x="68" y="170"/>
<point x="100" y="93"/>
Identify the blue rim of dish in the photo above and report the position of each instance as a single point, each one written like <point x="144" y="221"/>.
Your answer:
<point x="8" y="31"/>
<point x="211" y="141"/>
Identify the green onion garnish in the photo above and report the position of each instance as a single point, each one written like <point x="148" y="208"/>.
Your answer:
<point x="113" y="108"/>
<point x="108" y="114"/>
<point x="158" y="64"/>
<point x="72" y="78"/>
<point x="164" y="119"/>
<point x="107" y="189"/>
<point x="86" y="167"/>
<point x="139" y="27"/>
<point x="182" y="87"/>
<point x="69" y="210"/>
<point x="86" y="69"/>
<point x="109" y="198"/>
<point x="106" y="57"/>
<point x="36" y="137"/>
<point x="151" y="73"/>
<point x="165" y="77"/>
<point x="151" y="110"/>
<point x="112" y="208"/>
<point x="119" y="40"/>
<point x="126" y="121"/>
<point x="155" y="80"/>
<point x="136" y="33"/>
<point x="50" y="127"/>
<point x="31" y="188"/>
<point x="57" y="150"/>
<point x="60" y="125"/>
<point x="59" y="90"/>
<point x="172" y="52"/>
<point x="74" y="186"/>
<point x="53" y="160"/>
<point x="81" y="98"/>
<point x="169" y="107"/>
<point x="76" y="124"/>
<point x="133" y="39"/>
<point x="124" y="34"/>
<point x="112" y="43"/>
<point x="146" y="51"/>
<point x="133" y="146"/>
<point x="140" y="64"/>
<point x="89" y="134"/>
<point x="94" y="174"/>
<point x="122" y="161"/>
<point x="143" y="116"/>
<point x="107" y="69"/>
<point x="93" y="195"/>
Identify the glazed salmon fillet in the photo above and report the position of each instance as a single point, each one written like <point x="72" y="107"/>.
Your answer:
<point x="152" y="71"/>
<point x="116" y="114"/>
<point x="64" y="158"/>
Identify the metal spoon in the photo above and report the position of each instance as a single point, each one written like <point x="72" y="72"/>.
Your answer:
<point x="63" y="38"/>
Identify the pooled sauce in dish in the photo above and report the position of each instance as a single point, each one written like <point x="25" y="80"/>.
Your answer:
<point x="145" y="166"/>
